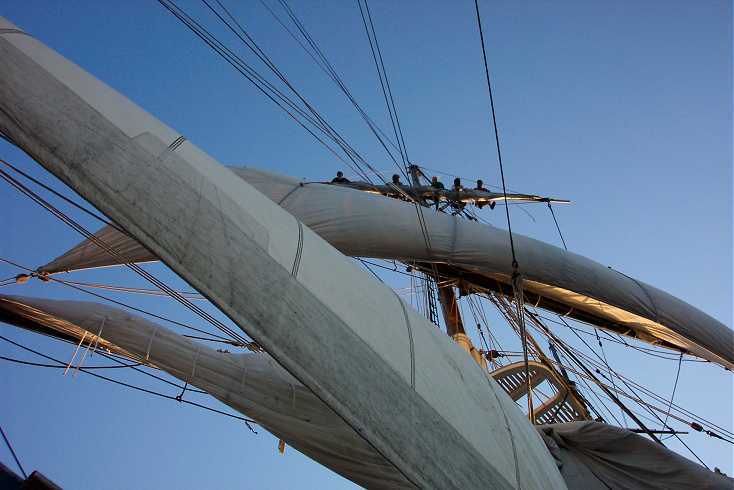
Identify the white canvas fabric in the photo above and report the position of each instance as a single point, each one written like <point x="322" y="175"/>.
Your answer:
<point x="367" y="225"/>
<point x="253" y="384"/>
<point x="590" y="455"/>
<point x="325" y="320"/>
<point x="594" y="456"/>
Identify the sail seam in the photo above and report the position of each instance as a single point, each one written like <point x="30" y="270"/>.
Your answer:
<point x="410" y="341"/>
<point x="299" y="251"/>
<point x="512" y="437"/>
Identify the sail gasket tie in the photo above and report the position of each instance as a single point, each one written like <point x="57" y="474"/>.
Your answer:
<point x="99" y="336"/>
<point x="193" y="367"/>
<point x="175" y="144"/>
<point x="150" y="343"/>
<point x="14" y="31"/>
<point x="299" y="251"/>
<point x="410" y="340"/>
<point x="288" y="194"/>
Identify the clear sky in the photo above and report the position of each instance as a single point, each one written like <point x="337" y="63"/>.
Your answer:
<point x="623" y="107"/>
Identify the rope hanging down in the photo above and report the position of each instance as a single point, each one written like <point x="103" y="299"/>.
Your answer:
<point x="516" y="277"/>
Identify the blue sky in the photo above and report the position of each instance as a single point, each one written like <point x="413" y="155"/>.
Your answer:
<point x="625" y="108"/>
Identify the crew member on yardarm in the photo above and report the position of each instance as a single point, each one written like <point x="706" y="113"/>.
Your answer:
<point x="435" y="183"/>
<point x="340" y="179"/>
<point x="459" y="204"/>
<point x="480" y="187"/>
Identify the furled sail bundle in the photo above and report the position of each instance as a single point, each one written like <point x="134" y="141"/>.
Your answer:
<point x="253" y="383"/>
<point x="590" y="454"/>
<point x="367" y="225"/>
<point x="422" y="402"/>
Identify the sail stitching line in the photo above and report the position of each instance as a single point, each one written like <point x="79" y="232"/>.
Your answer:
<point x="410" y="340"/>
<point x="299" y="251"/>
<point x="512" y="438"/>
<point x="99" y="336"/>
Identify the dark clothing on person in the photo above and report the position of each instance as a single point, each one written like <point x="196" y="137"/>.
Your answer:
<point x="480" y="205"/>
<point x="437" y="185"/>
<point x="340" y="180"/>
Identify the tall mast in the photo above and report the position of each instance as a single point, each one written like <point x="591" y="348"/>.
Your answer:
<point x="455" y="324"/>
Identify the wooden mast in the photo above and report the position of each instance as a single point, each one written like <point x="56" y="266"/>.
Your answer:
<point x="455" y="325"/>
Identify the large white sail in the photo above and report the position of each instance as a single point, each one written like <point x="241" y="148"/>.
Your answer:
<point x="363" y="224"/>
<point x="421" y="402"/>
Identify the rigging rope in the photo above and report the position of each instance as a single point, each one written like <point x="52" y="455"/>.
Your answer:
<point x="675" y="386"/>
<point x="323" y="63"/>
<point x="265" y="87"/>
<point x="12" y="451"/>
<point x="557" y="227"/>
<point x="106" y="298"/>
<point x="56" y="366"/>
<point x="262" y="56"/>
<point x="134" y="267"/>
<point x="133" y="387"/>
<point x="63" y="197"/>
<point x="650" y="408"/>
<point x="496" y="131"/>
<point x="516" y="277"/>
<point x="601" y="385"/>
<point x="386" y="90"/>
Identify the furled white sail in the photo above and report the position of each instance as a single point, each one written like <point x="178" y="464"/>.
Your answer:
<point x="252" y="383"/>
<point x="420" y="401"/>
<point x="363" y="224"/>
<point x="590" y="455"/>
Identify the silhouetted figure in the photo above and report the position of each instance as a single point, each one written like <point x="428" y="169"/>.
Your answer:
<point x="458" y="205"/>
<point x="480" y="187"/>
<point x="435" y="183"/>
<point x="340" y="179"/>
<point x="396" y="180"/>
